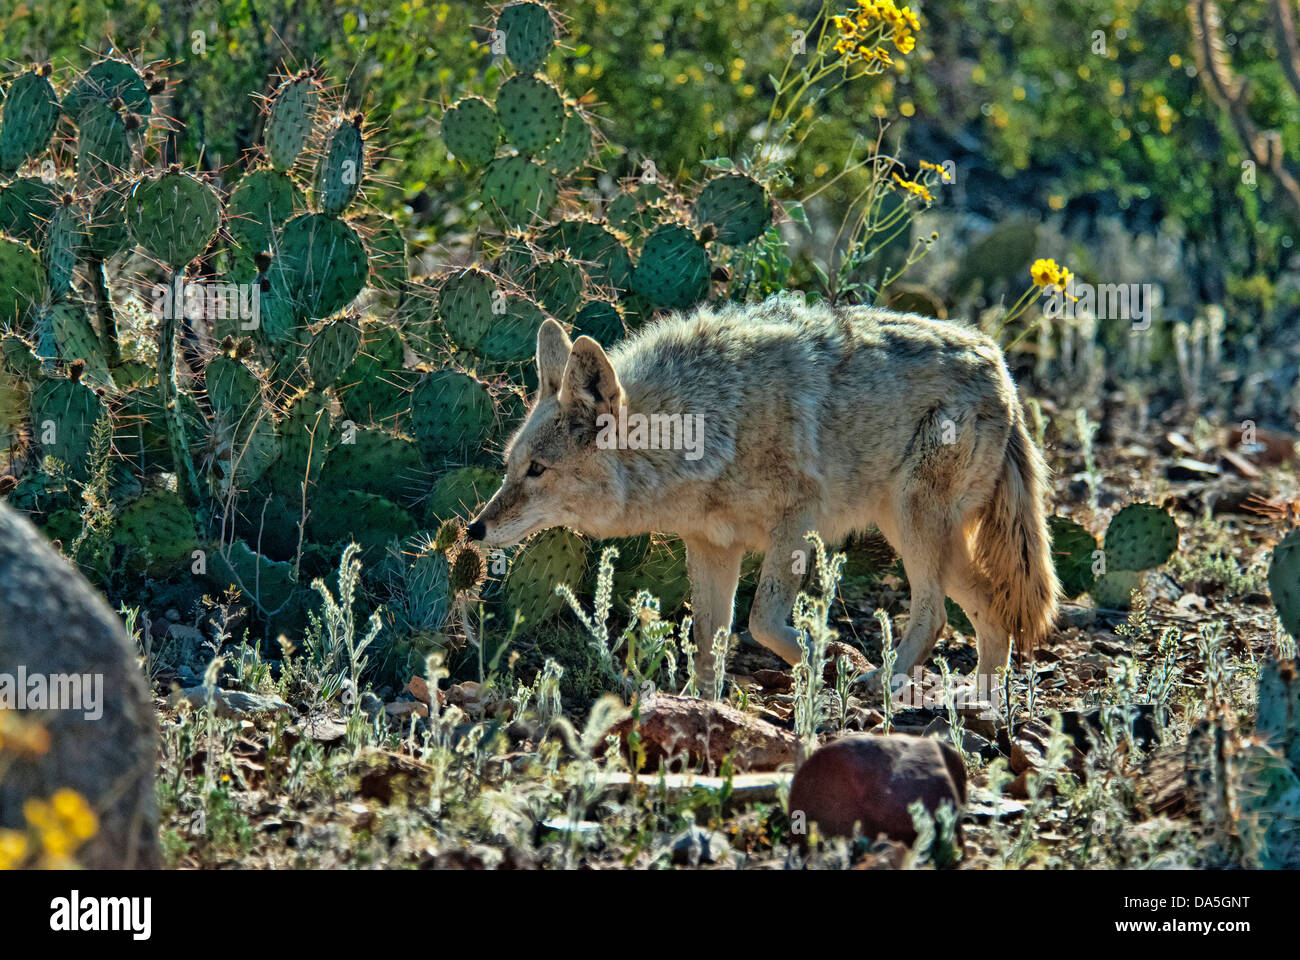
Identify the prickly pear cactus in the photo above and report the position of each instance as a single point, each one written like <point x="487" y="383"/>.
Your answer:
<point x="736" y="206"/>
<point x="602" y="321"/>
<point x="673" y="269"/>
<point x="459" y="493"/>
<point x="333" y="349"/>
<point x="376" y="461"/>
<point x="31" y="112"/>
<point x="471" y="131"/>
<point x="551" y="558"/>
<point x="531" y="112"/>
<point x="529" y="32"/>
<point x="1072" y="553"/>
<point x="64" y="415"/>
<point x="291" y="119"/>
<point x="155" y="535"/>
<point x="518" y="190"/>
<point x="322" y="261"/>
<point x="371" y="520"/>
<point x="1140" y="537"/>
<point x="467" y="306"/>
<point x="1279" y="708"/>
<point x="339" y="174"/>
<point x="173" y="217"/>
<point x="452" y="414"/>
<point x="1284" y="581"/>
<point x="23" y="286"/>
<point x="1113" y="589"/>
<point x="662" y="572"/>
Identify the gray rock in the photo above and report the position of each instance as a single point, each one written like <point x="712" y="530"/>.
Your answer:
<point x="53" y="623"/>
<point x="234" y="703"/>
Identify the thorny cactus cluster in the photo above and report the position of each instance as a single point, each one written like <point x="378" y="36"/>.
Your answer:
<point x="305" y="391"/>
<point x="1140" y="537"/>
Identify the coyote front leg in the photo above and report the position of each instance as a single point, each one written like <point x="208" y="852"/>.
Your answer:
<point x="714" y="573"/>
<point x="778" y="583"/>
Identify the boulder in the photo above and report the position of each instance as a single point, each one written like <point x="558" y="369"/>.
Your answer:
<point x="54" y="626"/>
<point x="871" y="781"/>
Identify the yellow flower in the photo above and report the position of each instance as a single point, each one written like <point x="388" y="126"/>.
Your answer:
<point x="1048" y="273"/>
<point x="13" y="848"/>
<point x="77" y="817"/>
<point x="904" y="41"/>
<point x="914" y="188"/>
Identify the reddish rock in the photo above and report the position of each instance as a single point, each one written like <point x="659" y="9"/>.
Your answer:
<point x="871" y="781"/>
<point x="858" y="663"/>
<point x="706" y="731"/>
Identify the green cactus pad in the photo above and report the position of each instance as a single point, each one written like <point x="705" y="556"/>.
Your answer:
<point x="1284" y="581"/>
<point x="246" y="447"/>
<point x="64" y="414"/>
<point x="460" y="493"/>
<point x="22" y="281"/>
<point x="1140" y="537"/>
<point x="76" y="339"/>
<point x="15" y="404"/>
<point x="558" y="285"/>
<point x="291" y="119"/>
<point x="374" y="387"/>
<point x="17" y="358"/>
<point x="452" y="414"/>
<point x="305" y="436"/>
<point x="531" y="113"/>
<point x="350" y="515"/>
<point x="155" y="535"/>
<point x="1072" y="554"/>
<point x="108" y="80"/>
<point x="518" y="191"/>
<point x="1279" y="707"/>
<point x="573" y="149"/>
<point x="736" y="206"/>
<point x="513" y="337"/>
<point x="673" y="269"/>
<point x="378" y="462"/>
<point x="232" y="388"/>
<point x="31" y="112"/>
<point x="602" y="321"/>
<point x="529" y="30"/>
<point x="173" y="218"/>
<point x="389" y="258"/>
<point x="333" y="349"/>
<point x="553" y="557"/>
<point x="26" y="206"/>
<point x="342" y="168"/>
<point x="59" y="251"/>
<point x="324" y="263"/>
<point x="602" y="255"/>
<point x="469" y="303"/>
<point x="260" y="202"/>
<point x="663" y="573"/>
<point x="270" y="585"/>
<point x="106" y="231"/>
<point x="103" y="147"/>
<point x="1112" y="589"/>
<point x="471" y="131"/>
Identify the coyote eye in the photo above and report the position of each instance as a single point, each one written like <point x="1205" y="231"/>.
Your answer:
<point x="536" y="469"/>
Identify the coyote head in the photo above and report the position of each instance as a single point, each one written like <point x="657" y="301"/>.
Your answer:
<point x="555" y="472"/>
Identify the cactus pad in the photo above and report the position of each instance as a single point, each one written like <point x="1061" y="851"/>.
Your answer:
<point x="1072" y="549"/>
<point x="1284" y="581"/>
<point x="529" y="31"/>
<point x="531" y="112"/>
<point x="1140" y="537"/>
<point x="460" y="493"/>
<point x="471" y="131"/>
<point x="673" y="270"/>
<point x="602" y="321"/>
<point x="519" y="191"/>
<point x="173" y="217"/>
<point x="291" y="119"/>
<point x="108" y="80"/>
<point x="22" y="281"/>
<point x="333" y="349"/>
<point x="64" y="414"/>
<point x="1113" y="588"/>
<point x="155" y="534"/>
<point x="31" y="112"/>
<point x="323" y="262"/>
<point x="468" y="306"/>
<point x="551" y="558"/>
<point x="736" y="206"/>
<point x="341" y="169"/>
<point x="452" y="414"/>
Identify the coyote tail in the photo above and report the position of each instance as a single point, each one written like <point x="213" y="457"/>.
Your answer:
<point x="1013" y="546"/>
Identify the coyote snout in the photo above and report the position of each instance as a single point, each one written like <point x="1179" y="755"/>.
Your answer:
<point x="809" y="418"/>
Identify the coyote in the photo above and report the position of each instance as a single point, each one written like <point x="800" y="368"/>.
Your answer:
<point x="813" y="418"/>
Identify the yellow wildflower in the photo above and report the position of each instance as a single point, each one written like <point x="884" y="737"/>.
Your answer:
<point x="914" y="188"/>
<point x="13" y="848"/>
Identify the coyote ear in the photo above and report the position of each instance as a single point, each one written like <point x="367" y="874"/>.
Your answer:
<point x="590" y="380"/>
<point x="553" y="348"/>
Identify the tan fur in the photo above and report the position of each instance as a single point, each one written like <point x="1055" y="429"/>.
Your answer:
<point x="815" y="418"/>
